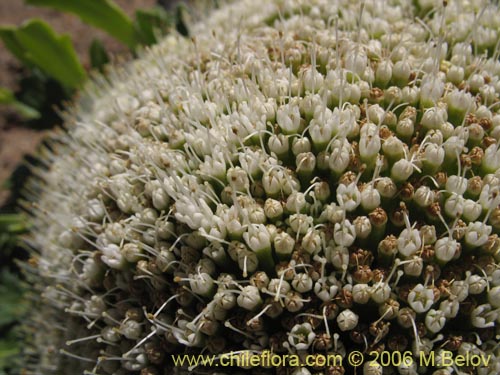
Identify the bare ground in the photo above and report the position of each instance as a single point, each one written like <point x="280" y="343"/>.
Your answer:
<point x="15" y="140"/>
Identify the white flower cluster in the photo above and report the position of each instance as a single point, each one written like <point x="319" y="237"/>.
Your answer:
<point x="301" y="176"/>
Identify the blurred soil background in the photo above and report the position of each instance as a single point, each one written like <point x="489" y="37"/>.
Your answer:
<point x="16" y="138"/>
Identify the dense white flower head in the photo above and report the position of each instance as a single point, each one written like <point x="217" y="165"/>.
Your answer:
<point x="300" y="176"/>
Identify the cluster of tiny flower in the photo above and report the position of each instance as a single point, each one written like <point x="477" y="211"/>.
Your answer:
<point x="302" y="176"/>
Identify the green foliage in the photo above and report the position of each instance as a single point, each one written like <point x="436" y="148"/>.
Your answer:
<point x="103" y="14"/>
<point x="152" y="23"/>
<point x="8" y="36"/>
<point x="35" y="43"/>
<point x="10" y="348"/>
<point x="12" y="309"/>
<point x="181" y="19"/>
<point x="11" y="294"/>
<point x="43" y="93"/>
<point x="10" y="226"/>
<point x="98" y="55"/>
<point x="26" y="112"/>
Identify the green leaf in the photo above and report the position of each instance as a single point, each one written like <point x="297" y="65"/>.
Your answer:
<point x="181" y="19"/>
<point x="6" y="96"/>
<point x="98" y="55"/>
<point x="8" y="36"/>
<point x="26" y="112"/>
<point x="13" y="304"/>
<point x="104" y="14"/>
<point x="152" y="23"/>
<point x="52" y="53"/>
<point x="9" y="348"/>
<point x="13" y="223"/>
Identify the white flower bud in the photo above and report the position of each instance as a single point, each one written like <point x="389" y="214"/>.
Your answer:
<point x="301" y="336"/>
<point x="483" y="316"/>
<point x="296" y="202"/>
<point x="456" y="184"/>
<point x="238" y="179"/>
<point x="332" y="213"/>
<point x="112" y="256"/>
<point x="393" y="148"/>
<point x="311" y="242"/>
<point x="284" y="244"/>
<point x="279" y="284"/>
<point x="383" y="74"/>
<point x="471" y="210"/>
<point x="348" y="197"/>
<point x="257" y="238"/>
<point x="455" y="74"/>
<point x="362" y="226"/>
<point x="340" y="157"/>
<point x="460" y="289"/>
<point x="288" y="119"/>
<point x="434" y="117"/>
<point x="369" y="146"/>
<point x="380" y="292"/>
<point x="95" y="210"/>
<point x="247" y="261"/>
<point x="401" y="170"/>
<point x="423" y="196"/>
<point x="131" y="329"/>
<point x="300" y="223"/>
<point x="273" y="209"/>
<point x="409" y="242"/>
<point x="361" y="293"/>
<point x="476" y="81"/>
<point x="202" y="284"/>
<point x="431" y="90"/>
<point x="225" y="299"/>
<point x="386" y="187"/>
<point x="408" y="367"/>
<point x="370" y="198"/>
<point x="445" y="249"/>
<point x="115" y="232"/>
<point x="450" y="308"/>
<point x="305" y="162"/>
<point x="434" y="155"/>
<point x="312" y="79"/>
<point x="454" y="206"/>
<point x="160" y="199"/>
<point x="325" y="291"/>
<point x="347" y="320"/>
<point x="477" y="284"/>
<point x="372" y="368"/>
<point x="414" y="267"/>
<point x="321" y="191"/>
<point x="494" y="297"/>
<point x="488" y="93"/>
<point x="344" y="233"/>
<point x="301" y="371"/>
<point x="251" y="161"/>
<point x="302" y="283"/>
<point x="132" y="252"/>
<point x="459" y="103"/>
<point x="491" y="159"/>
<point x="453" y="146"/>
<point x="435" y="320"/>
<point x="410" y="95"/>
<point x="477" y="234"/>
<point x="405" y="128"/>
<point x="339" y="257"/>
<point x="421" y="298"/>
<point x="401" y="72"/>
<point x="249" y="299"/>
